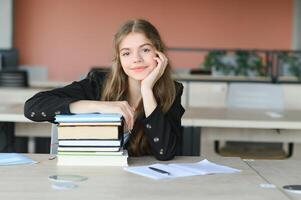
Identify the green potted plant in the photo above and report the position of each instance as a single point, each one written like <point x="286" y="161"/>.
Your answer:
<point x="213" y="60"/>
<point x="244" y="63"/>
<point x="290" y="64"/>
<point x="248" y="64"/>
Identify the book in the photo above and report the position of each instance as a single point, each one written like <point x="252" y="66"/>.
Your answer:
<point x="89" y="149"/>
<point x="91" y="153"/>
<point x="91" y="117"/>
<point x="93" y="160"/>
<point x="125" y="138"/>
<point x="117" y="123"/>
<point x="94" y="143"/>
<point x="89" y="132"/>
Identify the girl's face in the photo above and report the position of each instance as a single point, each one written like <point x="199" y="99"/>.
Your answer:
<point x="137" y="56"/>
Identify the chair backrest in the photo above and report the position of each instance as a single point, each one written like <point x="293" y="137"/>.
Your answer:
<point x="255" y="95"/>
<point x="202" y="94"/>
<point x="54" y="140"/>
<point x="291" y="96"/>
<point x="99" y="72"/>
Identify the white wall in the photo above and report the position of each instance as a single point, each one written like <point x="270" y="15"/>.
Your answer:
<point x="6" y="24"/>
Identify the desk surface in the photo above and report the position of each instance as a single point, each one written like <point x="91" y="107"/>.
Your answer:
<point x="31" y="182"/>
<point x="241" y="118"/>
<point x="279" y="173"/>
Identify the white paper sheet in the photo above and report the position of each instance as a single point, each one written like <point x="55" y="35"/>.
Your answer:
<point x="14" y="159"/>
<point x="181" y="169"/>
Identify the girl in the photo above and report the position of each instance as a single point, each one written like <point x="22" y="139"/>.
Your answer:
<point x="139" y="86"/>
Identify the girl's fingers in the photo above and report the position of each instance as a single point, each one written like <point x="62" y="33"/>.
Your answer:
<point x="161" y="64"/>
<point x="132" y="109"/>
<point x="159" y="61"/>
<point x="126" y="118"/>
<point x="163" y="58"/>
<point x="130" y="113"/>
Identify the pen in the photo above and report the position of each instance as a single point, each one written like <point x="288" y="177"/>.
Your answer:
<point x="159" y="170"/>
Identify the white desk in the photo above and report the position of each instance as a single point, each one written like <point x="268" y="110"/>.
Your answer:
<point x="23" y="126"/>
<point x="115" y="183"/>
<point x="242" y="125"/>
<point x="11" y="110"/>
<point x="222" y="124"/>
<point x="12" y="113"/>
<point x="48" y="84"/>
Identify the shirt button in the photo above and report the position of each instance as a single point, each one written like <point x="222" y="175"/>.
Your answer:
<point x="32" y="114"/>
<point x="43" y="114"/>
<point x="148" y="126"/>
<point x="156" y="139"/>
<point x="161" y="151"/>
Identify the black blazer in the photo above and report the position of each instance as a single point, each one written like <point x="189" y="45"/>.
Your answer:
<point x="162" y="129"/>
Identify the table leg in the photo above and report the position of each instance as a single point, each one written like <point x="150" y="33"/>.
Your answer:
<point x="31" y="145"/>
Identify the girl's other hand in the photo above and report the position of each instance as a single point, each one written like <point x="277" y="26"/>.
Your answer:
<point x="121" y="107"/>
<point x="153" y="77"/>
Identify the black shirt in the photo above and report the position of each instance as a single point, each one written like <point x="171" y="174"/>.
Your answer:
<point x="162" y="129"/>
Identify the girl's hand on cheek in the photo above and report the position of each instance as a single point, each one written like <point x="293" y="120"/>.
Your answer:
<point x="153" y="77"/>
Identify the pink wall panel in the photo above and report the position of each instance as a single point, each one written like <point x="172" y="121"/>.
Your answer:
<point x="73" y="35"/>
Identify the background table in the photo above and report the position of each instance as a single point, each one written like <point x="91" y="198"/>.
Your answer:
<point x="243" y="125"/>
<point x="23" y="126"/>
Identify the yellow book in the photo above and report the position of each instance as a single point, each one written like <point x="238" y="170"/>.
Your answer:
<point x="89" y="132"/>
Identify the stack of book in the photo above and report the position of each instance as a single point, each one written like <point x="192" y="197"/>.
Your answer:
<point x="91" y="140"/>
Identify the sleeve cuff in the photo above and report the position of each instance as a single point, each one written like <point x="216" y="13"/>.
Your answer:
<point x="153" y="115"/>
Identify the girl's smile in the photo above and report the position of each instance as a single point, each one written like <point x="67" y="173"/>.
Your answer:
<point x="139" y="69"/>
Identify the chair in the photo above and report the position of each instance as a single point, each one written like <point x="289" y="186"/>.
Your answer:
<point x="255" y="96"/>
<point x="99" y="72"/>
<point x="202" y="94"/>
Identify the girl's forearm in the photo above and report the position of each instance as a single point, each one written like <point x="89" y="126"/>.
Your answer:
<point x="86" y="106"/>
<point x="149" y="101"/>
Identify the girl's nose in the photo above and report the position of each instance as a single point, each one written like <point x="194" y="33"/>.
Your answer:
<point x="137" y="58"/>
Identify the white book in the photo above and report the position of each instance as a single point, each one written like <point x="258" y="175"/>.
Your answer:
<point x="90" y="117"/>
<point x="93" y="160"/>
<point x="91" y="153"/>
<point x="89" y="149"/>
<point x="95" y="143"/>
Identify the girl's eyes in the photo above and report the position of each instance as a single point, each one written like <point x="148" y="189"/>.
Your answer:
<point x="125" y="54"/>
<point x="146" y="50"/>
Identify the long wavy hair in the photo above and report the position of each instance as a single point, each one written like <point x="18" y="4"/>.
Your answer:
<point x="116" y="84"/>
